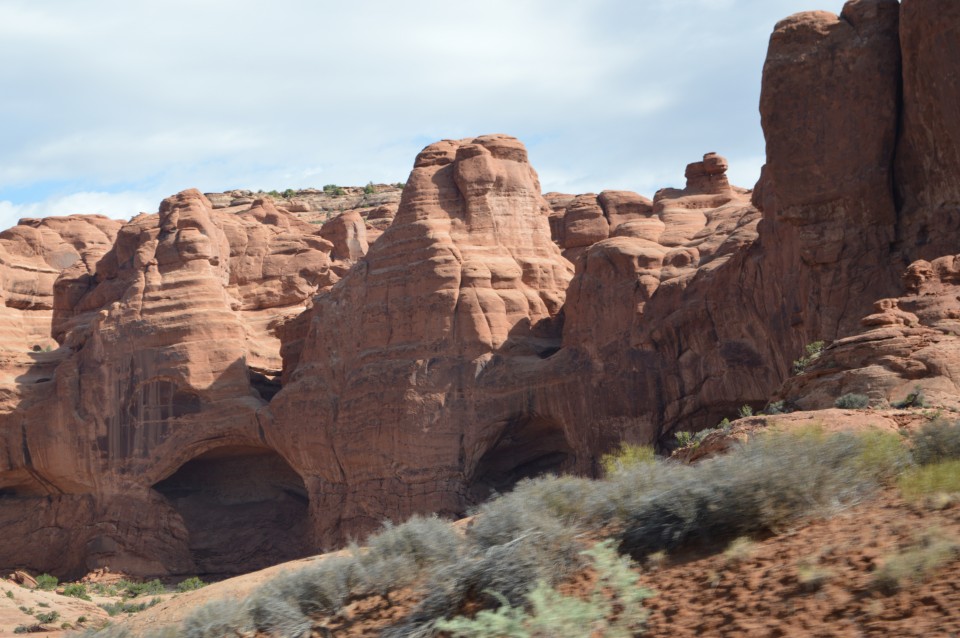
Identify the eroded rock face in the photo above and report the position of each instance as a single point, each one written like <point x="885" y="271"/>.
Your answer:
<point x="169" y="352"/>
<point x="348" y="234"/>
<point x="928" y="156"/>
<point x="392" y="371"/>
<point x="32" y="256"/>
<point x="684" y="233"/>
<point x="908" y="342"/>
<point x="824" y="250"/>
<point x="462" y="352"/>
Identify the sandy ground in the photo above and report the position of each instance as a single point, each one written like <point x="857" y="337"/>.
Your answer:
<point x="69" y="609"/>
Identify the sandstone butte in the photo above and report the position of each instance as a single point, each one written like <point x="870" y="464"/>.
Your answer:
<point x="222" y="385"/>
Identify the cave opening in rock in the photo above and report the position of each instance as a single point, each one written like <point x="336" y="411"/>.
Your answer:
<point x="529" y="446"/>
<point x="245" y="509"/>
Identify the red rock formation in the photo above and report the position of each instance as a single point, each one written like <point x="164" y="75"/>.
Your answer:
<point x="154" y="436"/>
<point x="393" y="365"/>
<point x="686" y="230"/>
<point x="458" y="355"/>
<point x="620" y="207"/>
<point x="928" y="155"/>
<point x="824" y="249"/>
<point x="584" y="224"/>
<point x="348" y="234"/>
<point x="907" y="343"/>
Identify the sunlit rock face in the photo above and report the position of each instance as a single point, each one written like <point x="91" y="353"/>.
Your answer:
<point x="404" y="376"/>
<point x="477" y="332"/>
<point x="168" y="352"/>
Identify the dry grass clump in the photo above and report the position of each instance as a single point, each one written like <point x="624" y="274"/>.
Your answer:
<point x="936" y="478"/>
<point x="916" y="563"/>
<point x="811" y="576"/>
<point x="931" y="480"/>
<point x="739" y="550"/>
<point x="936" y="441"/>
<point x="626" y="457"/>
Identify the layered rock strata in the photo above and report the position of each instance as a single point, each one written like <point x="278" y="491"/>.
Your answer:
<point x="169" y="349"/>
<point x="490" y="333"/>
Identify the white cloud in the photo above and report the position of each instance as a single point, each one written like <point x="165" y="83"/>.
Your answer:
<point x="119" y="98"/>
<point x="122" y="205"/>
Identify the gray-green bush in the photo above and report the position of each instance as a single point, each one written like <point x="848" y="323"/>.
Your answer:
<point x="613" y="607"/>
<point x="936" y="441"/>
<point x="852" y="401"/>
<point x="757" y="487"/>
<point x="217" y="619"/>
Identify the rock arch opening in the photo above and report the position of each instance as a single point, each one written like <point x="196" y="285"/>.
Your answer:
<point x="529" y="446"/>
<point x="245" y="508"/>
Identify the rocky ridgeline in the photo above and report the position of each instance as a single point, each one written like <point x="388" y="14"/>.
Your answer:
<point x="375" y="203"/>
<point x="230" y="384"/>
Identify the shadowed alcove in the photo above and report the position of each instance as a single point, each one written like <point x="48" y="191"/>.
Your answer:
<point x="530" y="445"/>
<point x="245" y="508"/>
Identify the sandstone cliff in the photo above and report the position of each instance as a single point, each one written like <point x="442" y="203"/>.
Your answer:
<point x="488" y="334"/>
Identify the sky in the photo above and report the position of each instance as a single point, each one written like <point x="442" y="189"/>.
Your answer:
<point x="111" y="105"/>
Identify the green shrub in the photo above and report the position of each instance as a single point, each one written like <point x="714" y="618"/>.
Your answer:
<point x="936" y="441"/>
<point x="613" y="607"/>
<point x="124" y="607"/>
<point x="509" y="518"/>
<point x="149" y="588"/>
<point x="9" y="593"/>
<point x="883" y="455"/>
<point x="190" y="584"/>
<point x="46" y="582"/>
<point x="76" y="590"/>
<point x="916" y="563"/>
<point x="852" y="401"/>
<point x="23" y="629"/>
<point x="333" y="190"/>
<point x="287" y="194"/>
<point x="813" y="351"/>
<point x="915" y="399"/>
<point x="691" y="439"/>
<point x="399" y="554"/>
<point x="626" y="457"/>
<point x="745" y="411"/>
<point x="48" y="617"/>
<point x="929" y="480"/>
<point x="369" y="189"/>
<point x="777" y="407"/>
<point x="128" y="589"/>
